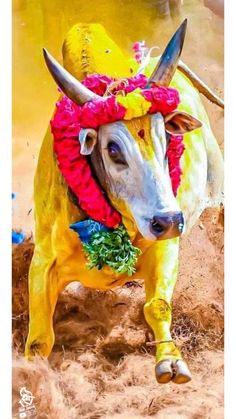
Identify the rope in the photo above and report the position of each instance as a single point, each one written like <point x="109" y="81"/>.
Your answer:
<point x="158" y="342"/>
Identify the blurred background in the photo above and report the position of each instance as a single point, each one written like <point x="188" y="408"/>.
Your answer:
<point x="42" y="23"/>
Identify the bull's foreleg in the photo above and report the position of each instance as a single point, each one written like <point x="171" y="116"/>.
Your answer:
<point x="161" y="265"/>
<point x="43" y="294"/>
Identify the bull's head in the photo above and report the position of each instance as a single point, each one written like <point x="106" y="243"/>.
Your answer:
<point x="129" y="157"/>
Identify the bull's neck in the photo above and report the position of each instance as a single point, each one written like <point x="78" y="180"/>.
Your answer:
<point x="127" y="218"/>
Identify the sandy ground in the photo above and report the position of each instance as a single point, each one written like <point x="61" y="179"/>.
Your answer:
<point x="101" y="366"/>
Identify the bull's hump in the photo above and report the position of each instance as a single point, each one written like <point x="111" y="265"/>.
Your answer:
<point x="88" y="49"/>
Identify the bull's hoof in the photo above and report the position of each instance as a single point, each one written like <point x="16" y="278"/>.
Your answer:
<point x="40" y="346"/>
<point x="182" y="374"/>
<point x="164" y="371"/>
<point x="172" y="370"/>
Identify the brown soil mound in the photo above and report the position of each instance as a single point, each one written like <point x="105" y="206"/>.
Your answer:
<point x="101" y="367"/>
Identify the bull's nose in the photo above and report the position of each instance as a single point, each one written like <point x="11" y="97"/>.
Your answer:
<point x="168" y="225"/>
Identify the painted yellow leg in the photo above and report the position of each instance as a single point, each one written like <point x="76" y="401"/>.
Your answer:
<point x="161" y="266"/>
<point x="43" y="294"/>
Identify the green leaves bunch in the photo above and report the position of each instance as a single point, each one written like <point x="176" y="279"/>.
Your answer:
<point x="114" y="249"/>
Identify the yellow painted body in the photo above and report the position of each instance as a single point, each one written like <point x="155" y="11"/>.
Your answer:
<point x="58" y="257"/>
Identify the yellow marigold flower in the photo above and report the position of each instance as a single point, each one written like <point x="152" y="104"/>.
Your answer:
<point x="135" y="104"/>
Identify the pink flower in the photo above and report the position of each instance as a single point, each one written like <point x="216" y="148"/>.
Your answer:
<point x="163" y="99"/>
<point x="132" y="83"/>
<point x="136" y="46"/>
<point x="97" y="83"/>
<point x="139" y="49"/>
<point x="99" y="112"/>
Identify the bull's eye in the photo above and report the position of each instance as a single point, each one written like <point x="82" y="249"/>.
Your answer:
<point x="115" y="153"/>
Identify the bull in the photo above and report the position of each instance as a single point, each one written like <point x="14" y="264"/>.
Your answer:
<point x="134" y="174"/>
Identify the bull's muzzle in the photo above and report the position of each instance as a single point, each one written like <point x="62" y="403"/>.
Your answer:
<point x="168" y="225"/>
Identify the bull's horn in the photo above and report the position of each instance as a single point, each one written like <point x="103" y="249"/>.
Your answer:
<point x="168" y="62"/>
<point x="200" y="85"/>
<point x="72" y="87"/>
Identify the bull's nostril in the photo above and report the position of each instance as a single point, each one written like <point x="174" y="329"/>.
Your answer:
<point x="157" y="227"/>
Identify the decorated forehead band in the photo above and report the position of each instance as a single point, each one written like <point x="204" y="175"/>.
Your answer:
<point x="127" y="99"/>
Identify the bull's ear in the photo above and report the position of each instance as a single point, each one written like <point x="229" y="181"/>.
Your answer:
<point x="87" y="139"/>
<point x="180" y="122"/>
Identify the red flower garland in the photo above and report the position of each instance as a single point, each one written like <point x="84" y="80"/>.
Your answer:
<point x="75" y="167"/>
<point x="69" y="118"/>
